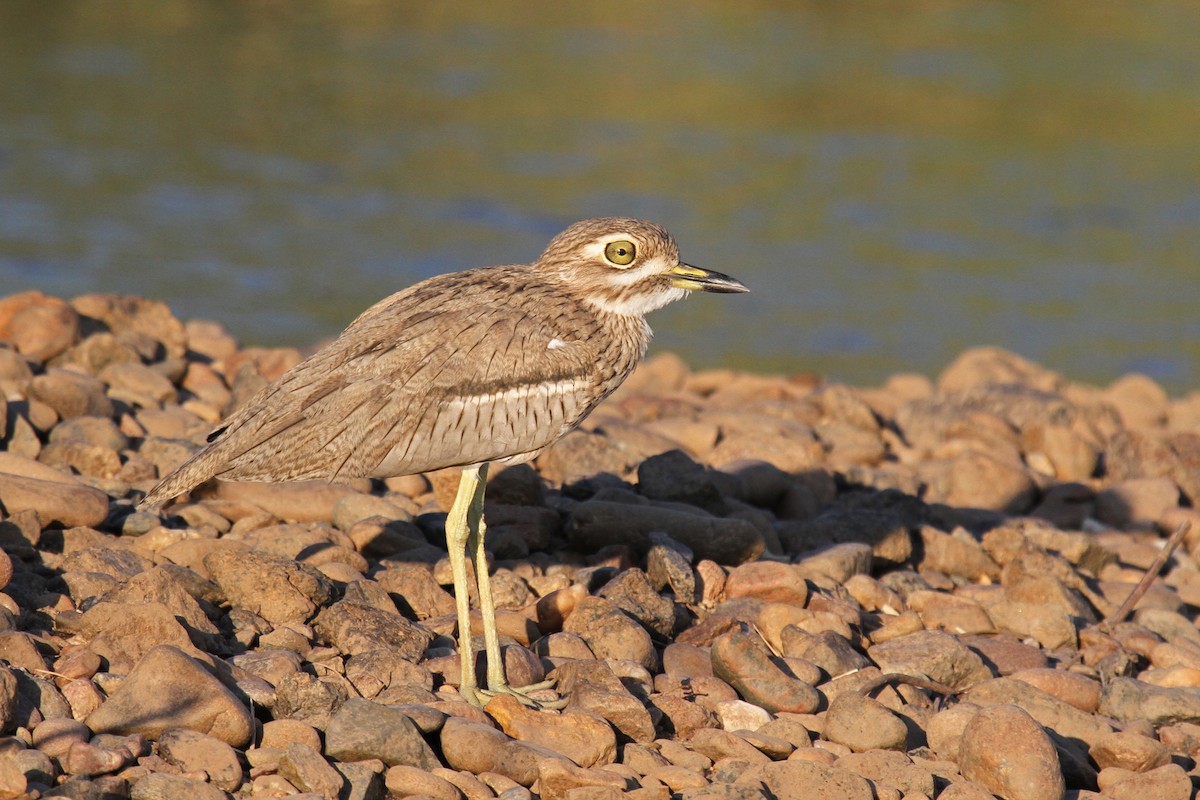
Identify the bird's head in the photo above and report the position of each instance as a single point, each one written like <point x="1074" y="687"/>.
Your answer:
<point x="627" y="266"/>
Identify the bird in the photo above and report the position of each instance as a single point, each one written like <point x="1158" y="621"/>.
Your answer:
<point x="486" y="366"/>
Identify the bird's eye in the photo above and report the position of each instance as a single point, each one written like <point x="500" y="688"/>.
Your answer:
<point x="620" y="253"/>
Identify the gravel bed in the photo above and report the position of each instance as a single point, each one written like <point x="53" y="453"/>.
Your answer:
<point x="745" y="587"/>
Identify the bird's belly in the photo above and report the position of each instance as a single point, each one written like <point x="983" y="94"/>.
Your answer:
<point x="508" y="426"/>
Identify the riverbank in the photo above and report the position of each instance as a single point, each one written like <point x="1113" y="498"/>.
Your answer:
<point x="726" y="573"/>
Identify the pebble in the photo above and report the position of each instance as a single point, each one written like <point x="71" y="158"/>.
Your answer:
<point x="196" y="752"/>
<point x="324" y="600"/>
<point x="862" y="724"/>
<point x="740" y="658"/>
<point x="585" y="739"/>
<point x="1007" y="752"/>
<point x="167" y="689"/>
<point x="362" y="730"/>
<point x="610" y="633"/>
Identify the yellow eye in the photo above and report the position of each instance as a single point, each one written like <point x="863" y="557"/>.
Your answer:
<point x="620" y="253"/>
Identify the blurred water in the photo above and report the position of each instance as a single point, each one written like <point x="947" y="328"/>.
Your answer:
<point x="894" y="181"/>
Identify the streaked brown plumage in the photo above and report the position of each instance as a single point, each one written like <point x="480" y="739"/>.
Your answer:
<point x="488" y="365"/>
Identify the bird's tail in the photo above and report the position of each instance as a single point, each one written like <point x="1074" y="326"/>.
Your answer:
<point x="187" y="476"/>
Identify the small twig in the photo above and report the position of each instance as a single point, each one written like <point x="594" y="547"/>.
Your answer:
<point x="879" y="681"/>
<point x="1152" y="571"/>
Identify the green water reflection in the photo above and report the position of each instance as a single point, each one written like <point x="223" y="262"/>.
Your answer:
<point x="894" y="181"/>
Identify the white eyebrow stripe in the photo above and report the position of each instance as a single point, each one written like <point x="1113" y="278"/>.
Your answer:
<point x="556" y="344"/>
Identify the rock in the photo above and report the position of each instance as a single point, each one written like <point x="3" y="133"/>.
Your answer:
<point x="674" y="476"/>
<point x="406" y="781"/>
<point x="560" y="780"/>
<point x="890" y="769"/>
<point x="278" y="589"/>
<point x="581" y="737"/>
<point x="161" y="786"/>
<point x="354" y="628"/>
<point x="305" y="769"/>
<point x="862" y="724"/>
<point x="740" y="658"/>
<point x="1126" y="699"/>
<point x="70" y="394"/>
<point x="128" y="317"/>
<point x="598" y="523"/>
<point x="56" y="497"/>
<point x="632" y="592"/>
<point x="1065" y="720"/>
<point x="1130" y="751"/>
<point x="167" y="689"/>
<point x="39" y="327"/>
<point x="294" y="501"/>
<point x="590" y="686"/>
<point x="1006" y="751"/>
<point x="928" y="654"/>
<point x="976" y="480"/>
<point x="1137" y="503"/>
<point x="54" y="737"/>
<point x="839" y="562"/>
<point x="610" y="633"/>
<point x="137" y="385"/>
<point x="196" y="752"/>
<point x="123" y="633"/>
<point x="957" y="553"/>
<point x="477" y="748"/>
<point x="1168" y="782"/>
<point x="767" y="580"/>
<point x="362" y="730"/>
<point x="1079" y="690"/>
<point x="807" y="780"/>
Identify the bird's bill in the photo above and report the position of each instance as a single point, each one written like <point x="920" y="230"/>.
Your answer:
<point x="694" y="279"/>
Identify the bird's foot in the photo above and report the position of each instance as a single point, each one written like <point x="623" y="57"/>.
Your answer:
<point x="525" y="695"/>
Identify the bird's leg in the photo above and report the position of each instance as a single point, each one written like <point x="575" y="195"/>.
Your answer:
<point x="458" y="535"/>
<point x="497" y="681"/>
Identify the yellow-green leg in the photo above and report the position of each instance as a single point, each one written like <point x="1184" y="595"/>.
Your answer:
<point x="458" y="533"/>
<point x="465" y="532"/>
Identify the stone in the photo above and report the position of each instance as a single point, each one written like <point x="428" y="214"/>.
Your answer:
<point x="862" y="723"/>
<point x="70" y="394"/>
<point x="957" y="553"/>
<point x="610" y="632"/>
<point x="767" y="580"/>
<point x="278" y="589"/>
<point x="354" y="629"/>
<point x="304" y="768"/>
<point x="598" y="523"/>
<point x="807" y="780"/>
<point x="740" y="658"/>
<point x="1137" y="503"/>
<point x="1130" y="751"/>
<point x="123" y="633"/>
<point x="582" y="737"/>
<point x="1168" y="782"/>
<point x="632" y="592"/>
<point x="562" y="780"/>
<point x="933" y="655"/>
<point x="718" y="744"/>
<point x="167" y="689"/>
<point x="407" y="781"/>
<point x="196" y="752"/>
<point x="54" y="737"/>
<point x="1065" y="720"/>
<point x="890" y="769"/>
<point x="56" y="497"/>
<point x="478" y="748"/>
<point x="362" y="730"/>
<point x="162" y="786"/>
<point x="591" y="686"/>
<point x="1071" y="687"/>
<point x="1127" y="699"/>
<point x="977" y="480"/>
<point x="1006" y="751"/>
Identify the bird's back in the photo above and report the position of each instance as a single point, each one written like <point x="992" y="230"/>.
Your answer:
<point x="485" y="365"/>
